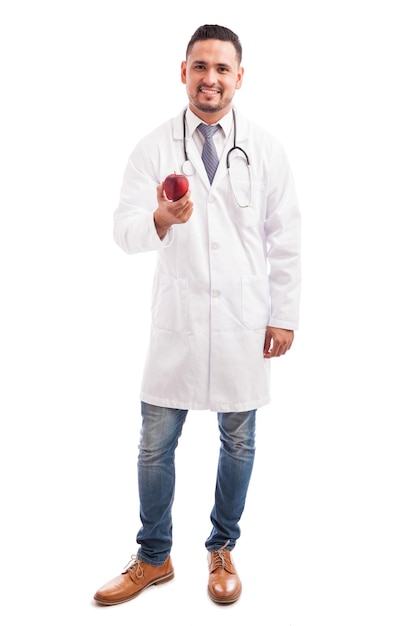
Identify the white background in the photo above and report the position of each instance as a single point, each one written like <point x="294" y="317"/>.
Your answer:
<point x="328" y="536"/>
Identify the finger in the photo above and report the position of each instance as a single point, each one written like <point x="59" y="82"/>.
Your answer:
<point x="277" y="349"/>
<point x="267" y="344"/>
<point x="183" y="214"/>
<point x="160" y="193"/>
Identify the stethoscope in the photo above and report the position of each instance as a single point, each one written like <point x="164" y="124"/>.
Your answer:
<point x="188" y="168"/>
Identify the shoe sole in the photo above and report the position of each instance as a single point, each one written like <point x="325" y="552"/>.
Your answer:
<point x="158" y="581"/>
<point x="223" y="600"/>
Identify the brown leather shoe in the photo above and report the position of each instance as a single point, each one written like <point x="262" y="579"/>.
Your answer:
<point x="224" y="585"/>
<point x="136" y="577"/>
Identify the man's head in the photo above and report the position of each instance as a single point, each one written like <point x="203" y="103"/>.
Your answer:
<point x="212" y="71"/>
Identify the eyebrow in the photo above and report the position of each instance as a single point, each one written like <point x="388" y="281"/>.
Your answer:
<point x="217" y="64"/>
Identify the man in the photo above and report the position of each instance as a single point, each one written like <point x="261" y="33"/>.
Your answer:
<point x="225" y="301"/>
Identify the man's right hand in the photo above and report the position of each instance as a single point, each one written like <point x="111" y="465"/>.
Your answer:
<point x="169" y="213"/>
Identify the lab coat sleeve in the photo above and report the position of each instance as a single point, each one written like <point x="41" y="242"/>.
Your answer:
<point x="134" y="228"/>
<point x="283" y="238"/>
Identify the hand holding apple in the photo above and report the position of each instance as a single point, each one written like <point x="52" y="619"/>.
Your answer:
<point x="174" y="203"/>
<point x="175" y="186"/>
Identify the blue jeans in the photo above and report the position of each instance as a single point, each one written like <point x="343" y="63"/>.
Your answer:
<point x="161" y="430"/>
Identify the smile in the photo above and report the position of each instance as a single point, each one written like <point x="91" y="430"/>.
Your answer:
<point x="209" y="92"/>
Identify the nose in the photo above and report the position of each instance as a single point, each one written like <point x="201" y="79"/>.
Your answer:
<point x="210" y="76"/>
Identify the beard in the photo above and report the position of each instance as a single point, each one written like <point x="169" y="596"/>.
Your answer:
<point x="207" y="107"/>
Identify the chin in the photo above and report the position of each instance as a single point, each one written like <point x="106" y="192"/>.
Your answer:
<point x="208" y="108"/>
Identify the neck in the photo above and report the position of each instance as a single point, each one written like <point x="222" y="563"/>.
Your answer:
<point x="210" y="117"/>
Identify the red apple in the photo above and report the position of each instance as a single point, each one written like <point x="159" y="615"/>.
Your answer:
<point x="175" y="186"/>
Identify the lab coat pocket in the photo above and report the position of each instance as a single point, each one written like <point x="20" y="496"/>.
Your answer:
<point x="170" y="303"/>
<point x="255" y="301"/>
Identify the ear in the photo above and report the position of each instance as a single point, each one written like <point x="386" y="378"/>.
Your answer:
<point x="239" y="77"/>
<point x="183" y="71"/>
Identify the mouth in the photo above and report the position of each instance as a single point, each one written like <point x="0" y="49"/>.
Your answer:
<point x="207" y="91"/>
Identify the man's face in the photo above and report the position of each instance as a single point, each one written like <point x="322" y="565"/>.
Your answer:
<point x="211" y="74"/>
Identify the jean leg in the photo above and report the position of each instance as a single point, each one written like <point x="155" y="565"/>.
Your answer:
<point x="236" y="458"/>
<point x="161" y="429"/>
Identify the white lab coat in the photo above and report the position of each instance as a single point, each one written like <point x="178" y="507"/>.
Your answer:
<point x="222" y="277"/>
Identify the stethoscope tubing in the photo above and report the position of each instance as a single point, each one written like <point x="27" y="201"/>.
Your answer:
<point x="190" y="172"/>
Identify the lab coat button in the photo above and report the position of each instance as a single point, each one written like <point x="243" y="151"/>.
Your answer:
<point x="210" y="200"/>
<point x="215" y="293"/>
<point x="214" y="246"/>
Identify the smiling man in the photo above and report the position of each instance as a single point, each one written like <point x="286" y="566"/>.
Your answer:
<point x="225" y="300"/>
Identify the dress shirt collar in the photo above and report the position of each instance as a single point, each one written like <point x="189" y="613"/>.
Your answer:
<point x="193" y="121"/>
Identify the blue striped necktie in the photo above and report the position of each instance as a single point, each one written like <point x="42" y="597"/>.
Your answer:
<point x="209" y="154"/>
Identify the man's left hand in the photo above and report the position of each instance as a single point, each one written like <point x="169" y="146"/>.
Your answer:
<point x="277" y="341"/>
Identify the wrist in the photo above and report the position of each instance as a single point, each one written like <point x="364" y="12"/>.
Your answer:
<point x="160" y="227"/>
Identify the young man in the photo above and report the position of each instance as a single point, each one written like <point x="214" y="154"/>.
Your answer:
<point x="225" y="300"/>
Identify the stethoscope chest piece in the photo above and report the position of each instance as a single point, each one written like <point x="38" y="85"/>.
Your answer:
<point x="188" y="168"/>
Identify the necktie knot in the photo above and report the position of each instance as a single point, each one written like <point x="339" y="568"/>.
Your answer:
<point x="209" y="154"/>
<point x="208" y="131"/>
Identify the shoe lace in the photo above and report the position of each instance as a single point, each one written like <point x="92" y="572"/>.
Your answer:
<point x="133" y="567"/>
<point x="219" y="556"/>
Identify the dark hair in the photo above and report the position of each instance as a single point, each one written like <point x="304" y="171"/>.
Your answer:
<point x="213" y="31"/>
